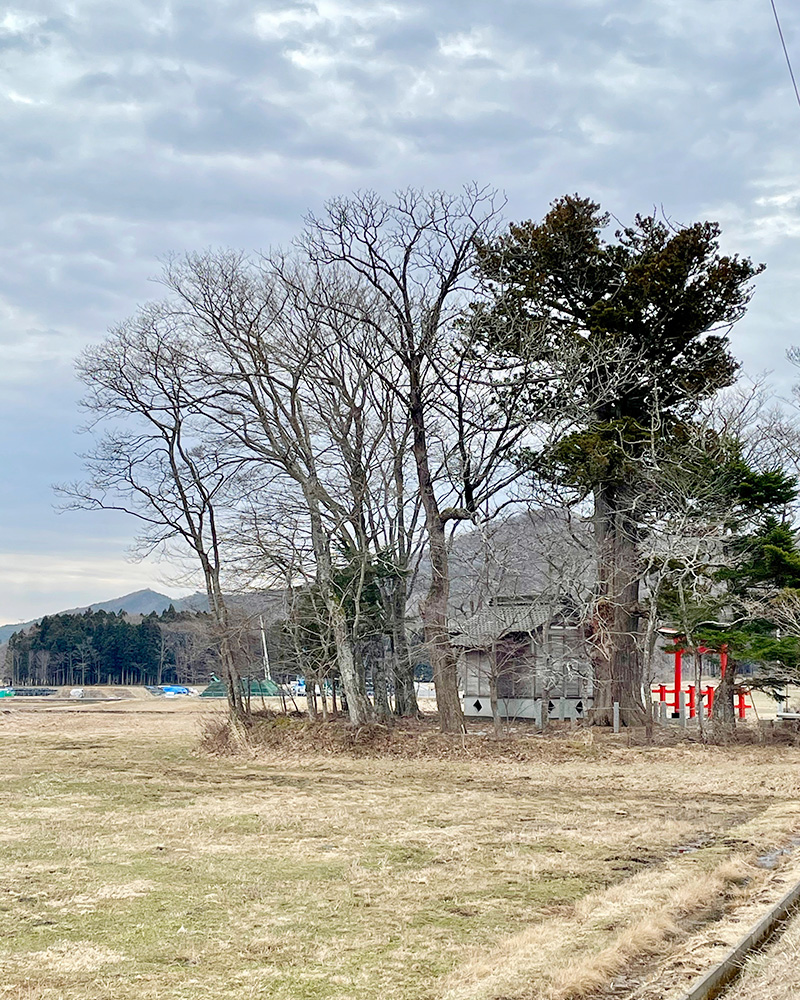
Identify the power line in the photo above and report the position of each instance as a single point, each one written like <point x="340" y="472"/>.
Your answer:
<point x="785" y="51"/>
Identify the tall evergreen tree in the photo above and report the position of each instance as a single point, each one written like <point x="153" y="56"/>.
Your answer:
<point x="635" y="330"/>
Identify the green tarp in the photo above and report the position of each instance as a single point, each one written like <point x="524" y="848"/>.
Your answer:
<point x="254" y="686"/>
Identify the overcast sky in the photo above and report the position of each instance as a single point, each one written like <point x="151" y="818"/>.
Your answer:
<point x="134" y="130"/>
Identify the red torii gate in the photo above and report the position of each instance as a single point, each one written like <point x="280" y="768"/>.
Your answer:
<point x="691" y="690"/>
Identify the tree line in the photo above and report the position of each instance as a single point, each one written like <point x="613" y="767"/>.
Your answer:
<point x="100" y="647"/>
<point x="328" y="417"/>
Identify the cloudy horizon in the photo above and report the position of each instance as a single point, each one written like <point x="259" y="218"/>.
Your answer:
<point x="158" y="127"/>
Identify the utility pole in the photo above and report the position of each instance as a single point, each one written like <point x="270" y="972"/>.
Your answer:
<point x="267" y="671"/>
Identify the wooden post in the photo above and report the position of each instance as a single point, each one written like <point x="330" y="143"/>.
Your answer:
<point x="678" y="680"/>
<point x="682" y="708"/>
<point x="616" y="716"/>
<point x="562" y="708"/>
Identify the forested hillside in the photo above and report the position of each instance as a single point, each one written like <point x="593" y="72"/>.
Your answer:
<point x="101" y="647"/>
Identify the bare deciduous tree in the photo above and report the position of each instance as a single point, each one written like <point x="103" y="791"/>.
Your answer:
<point x="283" y="385"/>
<point x="416" y="254"/>
<point x="152" y="461"/>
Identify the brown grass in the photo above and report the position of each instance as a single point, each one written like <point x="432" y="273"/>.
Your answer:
<point x="773" y="974"/>
<point x="136" y="866"/>
<point x="293" y="735"/>
<point x="283" y="735"/>
<point x="73" y="957"/>
<point x="576" y="955"/>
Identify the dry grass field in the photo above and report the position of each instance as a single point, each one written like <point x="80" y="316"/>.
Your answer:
<point x="136" y="866"/>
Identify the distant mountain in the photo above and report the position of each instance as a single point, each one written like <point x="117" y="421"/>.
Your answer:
<point x="6" y="631"/>
<point x="140" y="602"/>
<point x="268" y="603"/>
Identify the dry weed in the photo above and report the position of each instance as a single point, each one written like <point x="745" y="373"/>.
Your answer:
<point x="571" y="957"/>
<point x="71" y="957"/>
<point x="773" y="973"/>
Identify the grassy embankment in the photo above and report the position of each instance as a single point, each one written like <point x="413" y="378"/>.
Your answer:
<point x="135" y="867"/>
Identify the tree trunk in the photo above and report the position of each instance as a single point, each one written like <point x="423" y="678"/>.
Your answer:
<point x="626" y="667"/>
<point x="724" y="713"/>
<point x="237" y="707"/>
<point x="382" y="706"/>
<point x="698" y="686"/>
<point x="359" y="708"/>
<point x="617" y="662"/>
<point x="311" y="696"/>
<point x="405" y="696"/>
<point x="323" y="696"/>
<point x="434" y="606"/>
<point x="437" y="636"/>
<point x="493" y="703"/>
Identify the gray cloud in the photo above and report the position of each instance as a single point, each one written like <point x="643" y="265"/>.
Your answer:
<point x="137" y="129"/>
